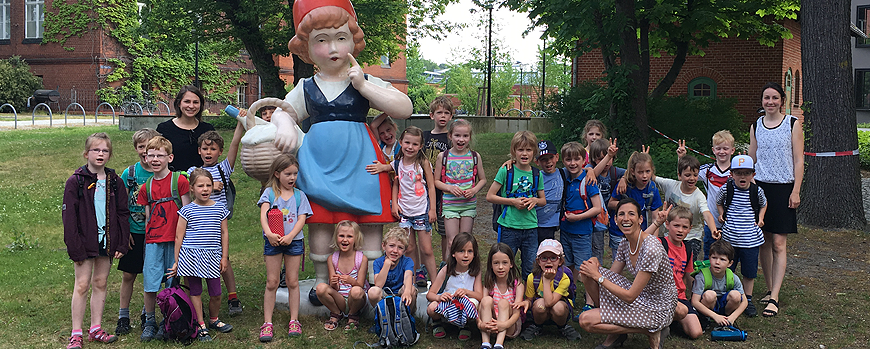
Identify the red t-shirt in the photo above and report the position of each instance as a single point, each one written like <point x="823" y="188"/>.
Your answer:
<point x="163" y="218"/>
<point x="677" y="257"/>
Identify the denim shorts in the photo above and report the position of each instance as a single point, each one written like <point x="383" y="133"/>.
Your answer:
<point x="158" y="257"/>
<point x="295" y="248"/>
<point x="748" y="259"/>
<point x="420" y="222"/>
<point x="578" y="248"/>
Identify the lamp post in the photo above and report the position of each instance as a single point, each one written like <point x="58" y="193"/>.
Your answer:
<point x="489" y="65"/>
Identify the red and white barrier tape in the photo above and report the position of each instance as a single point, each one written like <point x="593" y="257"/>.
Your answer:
<point x="675" y="141"/>
<point x="833" y="153"/>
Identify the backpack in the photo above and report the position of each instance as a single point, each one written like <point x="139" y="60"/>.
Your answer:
<point x="754" y="200"/>
<point x="229" y="189"/>
<point x="131" y="199"/>
<point x="708" y="279"/>
<point x="393" y="323"/>
<point x="572" y="288"/>
<point x="111" y="182"/>
<point x="686" y="247"/>
<point x="444" y="177"/>
<point x="498" y="210"/>
<point x="174" y="187"/>
<point x="179" y="316"/>
<point x="601" y="218"/>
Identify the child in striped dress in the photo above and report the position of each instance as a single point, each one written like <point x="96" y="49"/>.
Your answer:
<point x="201" y="250"/>
<point x="345" y="294"/>
<point x="459" y="174"/>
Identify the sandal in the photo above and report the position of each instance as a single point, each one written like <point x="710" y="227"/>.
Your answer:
<point x="294" y="328"/>
<point x="332" y="323"/>
<point x="770" y="312"/>
<point x="352" y="322"/>
<point x="439" y="332"/>
<point x="464" y="335"/>
<point x="765" y="299"/>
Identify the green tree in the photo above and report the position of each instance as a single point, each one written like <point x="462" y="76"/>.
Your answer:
<point x="419" y="91"/>
<point x="17" y="82"/>
<point x="460" y="82"/>
<point x="633" y="31"/>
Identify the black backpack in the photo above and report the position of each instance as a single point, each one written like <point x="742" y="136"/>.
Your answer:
<point x="753" y="197"/>
<point x="498" y="210"/>
<point x="686" y="247"/>
<point x="229" y="189"/>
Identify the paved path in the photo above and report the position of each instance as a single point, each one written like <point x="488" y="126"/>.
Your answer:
<point x="27" y="124"/>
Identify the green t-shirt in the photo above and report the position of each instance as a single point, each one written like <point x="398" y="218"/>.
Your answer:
<point x="137" y="212"/>
<point x="522" y="187"/>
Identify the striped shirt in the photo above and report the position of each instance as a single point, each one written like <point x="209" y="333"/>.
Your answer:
<point x="224" y="166"/>
<point x="740" y="228"/>
<point x="203" y="225"/>
<point x="459" y="172"/>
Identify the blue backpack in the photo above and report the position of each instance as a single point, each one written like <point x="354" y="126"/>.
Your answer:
<point x="393" y="323"/>
<point x="499" y="211"/>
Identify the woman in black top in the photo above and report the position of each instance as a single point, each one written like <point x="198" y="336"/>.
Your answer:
<point x="184" y="130"/>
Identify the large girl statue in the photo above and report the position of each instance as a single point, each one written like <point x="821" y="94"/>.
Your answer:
<point x="337" y="148"/>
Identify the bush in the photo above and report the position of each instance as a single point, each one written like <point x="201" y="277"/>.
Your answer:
<point x="570" y="110"/>
<point x="864" y="149"/>
<point x="17" y="82"/>
<point x="696" y="120"/>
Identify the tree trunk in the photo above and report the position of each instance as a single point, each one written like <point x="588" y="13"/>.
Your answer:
<point x="671" y="76"/>
<point x="630" y="56"/>
<point x="831" y="195"/>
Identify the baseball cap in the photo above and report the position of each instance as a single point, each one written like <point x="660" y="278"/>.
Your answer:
<point x="742" y="162"/>
<point x="550" y="245"/>
<point x="546" y="147"/>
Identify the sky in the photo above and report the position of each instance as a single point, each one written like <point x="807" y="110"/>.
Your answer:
<point x="447" y="50"/>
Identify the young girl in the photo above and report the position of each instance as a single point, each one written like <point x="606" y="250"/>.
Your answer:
<point x="345" y="294"/>
<point x="501" y="311"/>
<point x="201" y="250"/>
<point x="414" y="197"/>
<point x="284" y="246"/>
<point x="593" y="131"/>
<point x="457" y="180"/>
<point x="459" y="286"/>
<point x="639" y="185"/>
<point x="92" y="202"/>
<point x="549" y="290"/>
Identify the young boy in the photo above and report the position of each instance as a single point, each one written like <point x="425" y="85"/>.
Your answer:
<point x="161" y="222"/>
<point x="741" y="206"/>
<point x="679" y="223"/>
<point x="211" y="146"/>
<point x="266" y="113"/>
<point x="519" y="221"/>
<point x="576" y="226"/>
<point x="685" y="193"/>
<point x="714" y="177"/>
<point x="434" y="142"/>
<point x="601" y="159"/>
<point x="131" y="264"/>
<point x="717" y="293"/>
<point x="554" y="184"/>
<point x="393" y="270"/>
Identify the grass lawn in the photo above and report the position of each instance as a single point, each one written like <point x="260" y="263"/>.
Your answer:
<point x="824" y="299"/>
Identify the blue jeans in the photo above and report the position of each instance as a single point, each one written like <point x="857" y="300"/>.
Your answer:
<point x="578" y="248"/>
<point x="614" y="245"/>
<point x="708" y="240"/>
<point x="598" y="244"/>
<point x="525" y="240"/>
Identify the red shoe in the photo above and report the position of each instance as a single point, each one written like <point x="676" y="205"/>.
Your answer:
<point x="101" y="336"/>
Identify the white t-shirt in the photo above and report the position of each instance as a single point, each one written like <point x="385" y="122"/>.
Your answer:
<point x="695" y="202"/>
<point x="412" y="200"/>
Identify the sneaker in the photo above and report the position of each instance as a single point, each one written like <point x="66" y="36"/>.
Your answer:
<point x="220" y="326"/>
<point x="266" y="333"/>
<point x="101" y="336"/>
<point x="149" y="330"/>
<point x="294" y="328"/>
<point x="160" y="335"/>
<point x="75" y="342"/>
<point x="750" y="308"/>
<point x="531" y="332"/>
<point x="123" y="326"/>
<point x="421" y="278"/>
<point x="235" y="306"/>
<point x="569" y="332"/>
<point x="202" y="335"/>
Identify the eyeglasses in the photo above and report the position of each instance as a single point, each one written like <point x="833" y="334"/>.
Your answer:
<point x="549" y="259"/>
<point x="156" y="156"/>
<point x="104" y="151"/>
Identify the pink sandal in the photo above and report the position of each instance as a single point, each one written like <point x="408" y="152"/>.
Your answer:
<point x="294" y="328"/>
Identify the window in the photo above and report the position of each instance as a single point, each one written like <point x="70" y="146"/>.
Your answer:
<point x="789" y="92"/>
<point x="702" y="87"/>
<point x="241" y="92"/>
<point x="862" y="22"/>
<point x="862" y="89"/>
<point x="5" y="20"/>
<point x="34" y="16"/>
<point x="385" y="62"/>
<point x="796" y="100"/>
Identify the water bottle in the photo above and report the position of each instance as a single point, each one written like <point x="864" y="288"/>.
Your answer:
<point x="232" y="111"/>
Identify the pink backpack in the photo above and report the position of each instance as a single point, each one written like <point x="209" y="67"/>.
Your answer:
<point x="178" y="313"/>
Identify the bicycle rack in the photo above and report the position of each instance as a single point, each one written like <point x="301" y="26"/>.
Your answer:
<point x="84" y="115"/>
<point x="168" y="111"/>
<point x="33" y="115"/>
<point x="141" y="111"/>
<point x="13" y="112"/>
<point x="97" y="112"/>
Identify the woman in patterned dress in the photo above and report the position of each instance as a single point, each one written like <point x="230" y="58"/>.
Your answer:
<point x="645" y="305"/>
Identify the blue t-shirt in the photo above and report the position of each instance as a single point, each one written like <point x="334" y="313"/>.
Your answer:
<point x="548" y="216"/>
<point x="396" y="275"/>
<point x="203" y="225"/>
<point x="137" y="212"/>
<point x="100" y="210"/>
<point x="573" y="202"/>
<point x="288" y="207"/>
<point x="648" y="198"/>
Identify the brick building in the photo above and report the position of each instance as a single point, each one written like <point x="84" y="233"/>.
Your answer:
<point x="79" y="73"/>
<point x="733" y="68"/>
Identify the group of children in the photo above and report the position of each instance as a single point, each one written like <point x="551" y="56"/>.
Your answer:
<point x="178" y="227"/>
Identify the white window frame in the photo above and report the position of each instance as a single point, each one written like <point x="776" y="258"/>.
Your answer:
<point x="241" y="95"/>
<point x="5" y="20"/>
<point x="34" y="17"/>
